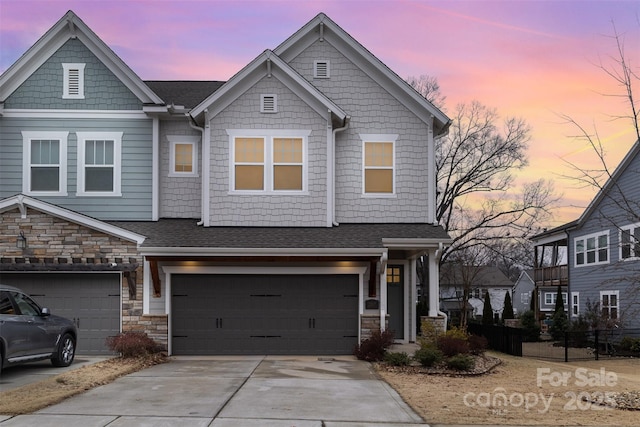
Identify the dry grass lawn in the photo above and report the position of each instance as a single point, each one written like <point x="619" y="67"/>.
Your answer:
<point x="33" y="397"/>
<point x="512" y="394"/>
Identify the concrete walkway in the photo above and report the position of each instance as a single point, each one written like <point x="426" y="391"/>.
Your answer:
<point x="235" y="391"/>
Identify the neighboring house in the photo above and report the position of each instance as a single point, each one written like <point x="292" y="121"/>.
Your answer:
<point x="279" y="212"/>
<point x="602" y="266"/>
<point x="477" y="280"/>
<point x="523" y="292"/>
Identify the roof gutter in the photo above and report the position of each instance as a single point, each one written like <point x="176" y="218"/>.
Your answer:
<point x="208" y="251"/>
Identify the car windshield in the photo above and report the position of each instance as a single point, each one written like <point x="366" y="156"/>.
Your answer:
<point x="27" y="306"/>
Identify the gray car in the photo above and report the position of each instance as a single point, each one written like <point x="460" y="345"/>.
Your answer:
<point x="29" y="333"/>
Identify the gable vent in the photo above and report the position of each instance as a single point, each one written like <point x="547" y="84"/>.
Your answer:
<point x="321" y="69"/>
<point x="268" y="104"/>
<point x="74" y="82"/>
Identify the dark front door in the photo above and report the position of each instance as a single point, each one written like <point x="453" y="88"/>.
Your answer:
<point x="395" y="299"/>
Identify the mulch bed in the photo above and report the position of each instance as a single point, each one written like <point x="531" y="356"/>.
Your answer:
<point x="484" y="364"/>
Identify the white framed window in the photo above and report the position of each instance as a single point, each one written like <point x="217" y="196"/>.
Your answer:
<point x="268" y="161"/>
<point x="575" y="304"/>
<point x="630" y="242"/>
<point x="73" y="81"/>
<point x="592" y="249"/>
<point x="269" y="103"/>
<point x="525" y="297"/>
<point x="44" y="171"/>
<point x="551" y="297"/>
<point x="183" y="155"/>
<point x="99" y="163"/>
<point x="378" y="165"/>
<point x="610" y="304"/>
<point x="321" y="69"/>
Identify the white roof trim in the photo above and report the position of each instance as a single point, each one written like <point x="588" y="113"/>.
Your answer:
<point x="20" y="201"/>
<point x="68" y="27"/>
<point x="205" y="251"/>
<point x="417" y="243"/>
<point x="276" y="67"/>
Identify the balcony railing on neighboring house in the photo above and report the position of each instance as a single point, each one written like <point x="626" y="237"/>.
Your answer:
<point x="556" y="275"/>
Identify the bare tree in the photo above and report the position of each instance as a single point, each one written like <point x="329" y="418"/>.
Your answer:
<point x="476" y="166"/>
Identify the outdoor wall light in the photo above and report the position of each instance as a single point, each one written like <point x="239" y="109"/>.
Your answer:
<point x="21" y="241"/>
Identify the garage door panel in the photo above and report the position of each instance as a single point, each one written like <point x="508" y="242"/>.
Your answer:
<point x="92" y="300"/>
<point x="264" y="314"/>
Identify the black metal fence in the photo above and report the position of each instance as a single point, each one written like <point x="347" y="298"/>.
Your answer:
<point x="574" y="345"/>
<point x="501" y="338"/>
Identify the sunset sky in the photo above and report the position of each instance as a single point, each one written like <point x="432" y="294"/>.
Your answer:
<point x="532" y="59"/>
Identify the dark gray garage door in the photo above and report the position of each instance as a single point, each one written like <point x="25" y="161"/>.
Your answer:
<point x="274" y="314"/>
<point x="92" y="300"/>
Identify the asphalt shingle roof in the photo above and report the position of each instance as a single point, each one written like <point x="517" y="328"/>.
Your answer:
<point x="185" y="93"/>
<point x="186" y="233"/>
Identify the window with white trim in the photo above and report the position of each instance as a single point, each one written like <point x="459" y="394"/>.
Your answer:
<point x="268" y="161"/>
<point x="575" y="304"/>
<point x="183" y="155"/>
<point x="551" y="297"/>
<point x="44" y="171"/>
<point x="609" y="304"/>
<point x="592" y="249"/>
<point x="99" y="163"/>
<point x="378" y="160"/>
<point x="630" y="241"/>
<point x="73" y="81"/>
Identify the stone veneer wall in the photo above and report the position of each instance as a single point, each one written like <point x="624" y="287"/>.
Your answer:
<point x="52" y="237"/>
<point x="370" y="323"/>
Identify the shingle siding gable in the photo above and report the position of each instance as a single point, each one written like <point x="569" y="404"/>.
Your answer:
<point x="269" y="209"/>
<point x="373" y="111"/>
<point x="102" y="90"/>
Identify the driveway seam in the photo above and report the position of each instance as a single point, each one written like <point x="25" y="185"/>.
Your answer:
<point x="238" y="388"/>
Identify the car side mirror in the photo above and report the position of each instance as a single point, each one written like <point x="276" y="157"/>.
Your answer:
<point x="45" y="312"/>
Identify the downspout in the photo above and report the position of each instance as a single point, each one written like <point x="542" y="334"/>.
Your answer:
<point x="383" y="290"/>
<point x="201" y="130"/>
<point x="347" y="120"/>
<point x="438" y="255"/>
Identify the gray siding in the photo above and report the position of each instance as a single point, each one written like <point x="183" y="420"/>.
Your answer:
<point x="524" y="286"/>
<point x="621" y="275"/>
<point x="135" y="203"/>
<point x="102" y="90"/>
<point x="373" y="111"/>
<point x="180" y="197"/>
<point x="308" y="210"/>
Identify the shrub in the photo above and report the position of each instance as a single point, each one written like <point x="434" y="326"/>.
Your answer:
<point x="455" y="332"/>
<point x="428" y="356"/>
<point x="477" y="344"/>
<point x="397" y="359"/>
<point x="133" y="344"/>
<point x="530" y="326"/>
<point x="460" y="362"/>
<point x="630" y="344"/>
<point x="452" y="345"/>
<point x="372" y="349"/>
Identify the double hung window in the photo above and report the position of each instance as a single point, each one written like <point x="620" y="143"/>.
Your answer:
<point x="99" y="155"/>
<point x="609" y="304"/>
<point x="183" y="155"/>
<point x="45" y="163"/>
<point x="268" y="161"/>
<point x="378" y="175"/>
<point x="592" y="249"/>
<point x="630" y="241"/>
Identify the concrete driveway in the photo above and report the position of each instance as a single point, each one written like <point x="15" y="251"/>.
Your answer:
<point x="235" y="391"/>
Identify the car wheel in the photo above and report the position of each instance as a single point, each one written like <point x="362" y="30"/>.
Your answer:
<point x="65" y="352"/>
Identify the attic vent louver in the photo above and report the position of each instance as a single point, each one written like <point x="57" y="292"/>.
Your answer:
<point x="321" y="69"/>
<point x="73" y="84"/>
<point x="268" y="104"/>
